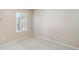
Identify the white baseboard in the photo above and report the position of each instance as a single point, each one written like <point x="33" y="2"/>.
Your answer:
<point x="41" y="37"/>
<point x="21" y="38"/>
<point x="61" y="43"/>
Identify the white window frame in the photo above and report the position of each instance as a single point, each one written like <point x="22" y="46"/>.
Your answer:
<point x="21" y="22"/>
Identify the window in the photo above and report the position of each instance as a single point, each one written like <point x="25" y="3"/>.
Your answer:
<point x="21" y="22"/>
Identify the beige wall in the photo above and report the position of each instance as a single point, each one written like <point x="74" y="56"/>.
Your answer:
<point x="59" y="25"/>
<point x="8" y="24"/>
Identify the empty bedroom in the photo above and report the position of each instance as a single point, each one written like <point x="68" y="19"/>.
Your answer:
<point x="39" y="29"/>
